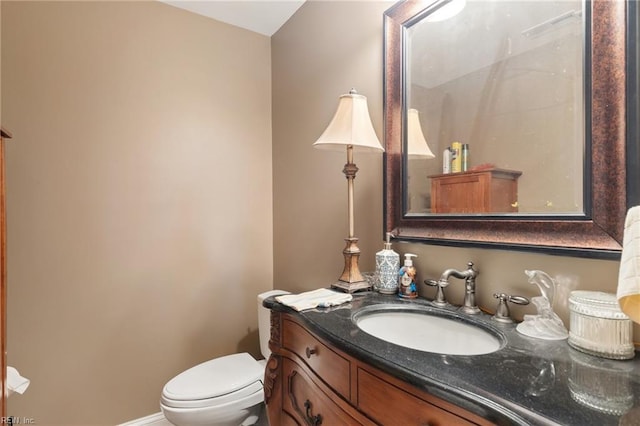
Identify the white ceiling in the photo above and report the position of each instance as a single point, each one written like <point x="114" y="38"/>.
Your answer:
<point x="261" y="16"/>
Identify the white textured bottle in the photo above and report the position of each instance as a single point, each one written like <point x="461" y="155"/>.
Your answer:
<point x="387" y="266"/>
<point x="446" y="160"/>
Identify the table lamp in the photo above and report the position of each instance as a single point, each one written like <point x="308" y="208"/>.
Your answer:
<point x="350" y="127"/>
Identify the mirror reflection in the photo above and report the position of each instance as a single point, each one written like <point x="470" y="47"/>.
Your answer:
<point x="494" y="96"/>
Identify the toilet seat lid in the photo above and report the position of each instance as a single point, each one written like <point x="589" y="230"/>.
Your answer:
<point x="215" y="378"/>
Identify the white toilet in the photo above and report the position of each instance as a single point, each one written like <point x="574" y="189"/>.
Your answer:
<point x="223" y="391"/>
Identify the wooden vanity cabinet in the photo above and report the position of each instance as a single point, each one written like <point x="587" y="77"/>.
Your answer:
<point x="484" y="191"/>
<point x="310" y="382"/>
<point x="305" y="403"/>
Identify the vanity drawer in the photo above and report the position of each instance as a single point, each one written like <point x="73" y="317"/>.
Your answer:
<point x="332" y="368"/>
<point x="389" y="405"/>
<point x="306" y="403"/>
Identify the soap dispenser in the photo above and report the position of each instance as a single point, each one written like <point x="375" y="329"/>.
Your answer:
<point x="407" y="278"/>
<point x="387" y="266"/>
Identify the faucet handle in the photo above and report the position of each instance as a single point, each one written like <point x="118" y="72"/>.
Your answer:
<point x="439" y="283"/>
<point x="502" y="311"/>
<point x="440" y="299"/>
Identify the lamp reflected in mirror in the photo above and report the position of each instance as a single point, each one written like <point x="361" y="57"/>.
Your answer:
<point x="417" y="146"/>
<point x="417" y="149"/>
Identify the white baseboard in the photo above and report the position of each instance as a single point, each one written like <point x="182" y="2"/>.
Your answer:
<point x="156" y="419"/>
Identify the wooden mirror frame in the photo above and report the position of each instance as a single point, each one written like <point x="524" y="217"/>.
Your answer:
<point x="598" y="232"/>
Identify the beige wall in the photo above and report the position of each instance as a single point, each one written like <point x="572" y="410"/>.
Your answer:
<point x="139" y="206"/>
<point x="321" y="52"/>
<point x="324" y="50"/>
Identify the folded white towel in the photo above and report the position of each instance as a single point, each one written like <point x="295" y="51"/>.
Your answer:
<point x="15" y="382"/>
<point x="321" y="298"/>
<point x="628" y="292"/>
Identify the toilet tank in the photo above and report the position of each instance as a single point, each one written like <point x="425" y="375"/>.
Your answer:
<point x="264" y="321"/>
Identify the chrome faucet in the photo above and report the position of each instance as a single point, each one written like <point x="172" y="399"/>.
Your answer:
<point x="469" y="276"/>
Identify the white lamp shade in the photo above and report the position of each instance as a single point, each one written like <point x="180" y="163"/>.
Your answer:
<point x="351" y="125"/>
<point x="416" y="143"/>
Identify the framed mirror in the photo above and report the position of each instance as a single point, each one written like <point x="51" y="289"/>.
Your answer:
<point x="530" y="101"/>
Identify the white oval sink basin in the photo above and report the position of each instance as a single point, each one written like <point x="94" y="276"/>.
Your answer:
<point x="428" y="332"/>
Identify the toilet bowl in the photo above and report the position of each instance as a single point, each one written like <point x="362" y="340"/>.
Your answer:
<point x="225" y="391"/>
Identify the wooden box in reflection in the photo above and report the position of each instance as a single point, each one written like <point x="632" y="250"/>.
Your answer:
<point x="482" y="191"/>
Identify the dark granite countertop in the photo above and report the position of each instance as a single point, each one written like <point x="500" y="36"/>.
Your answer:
<point x="526" y="382"/>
